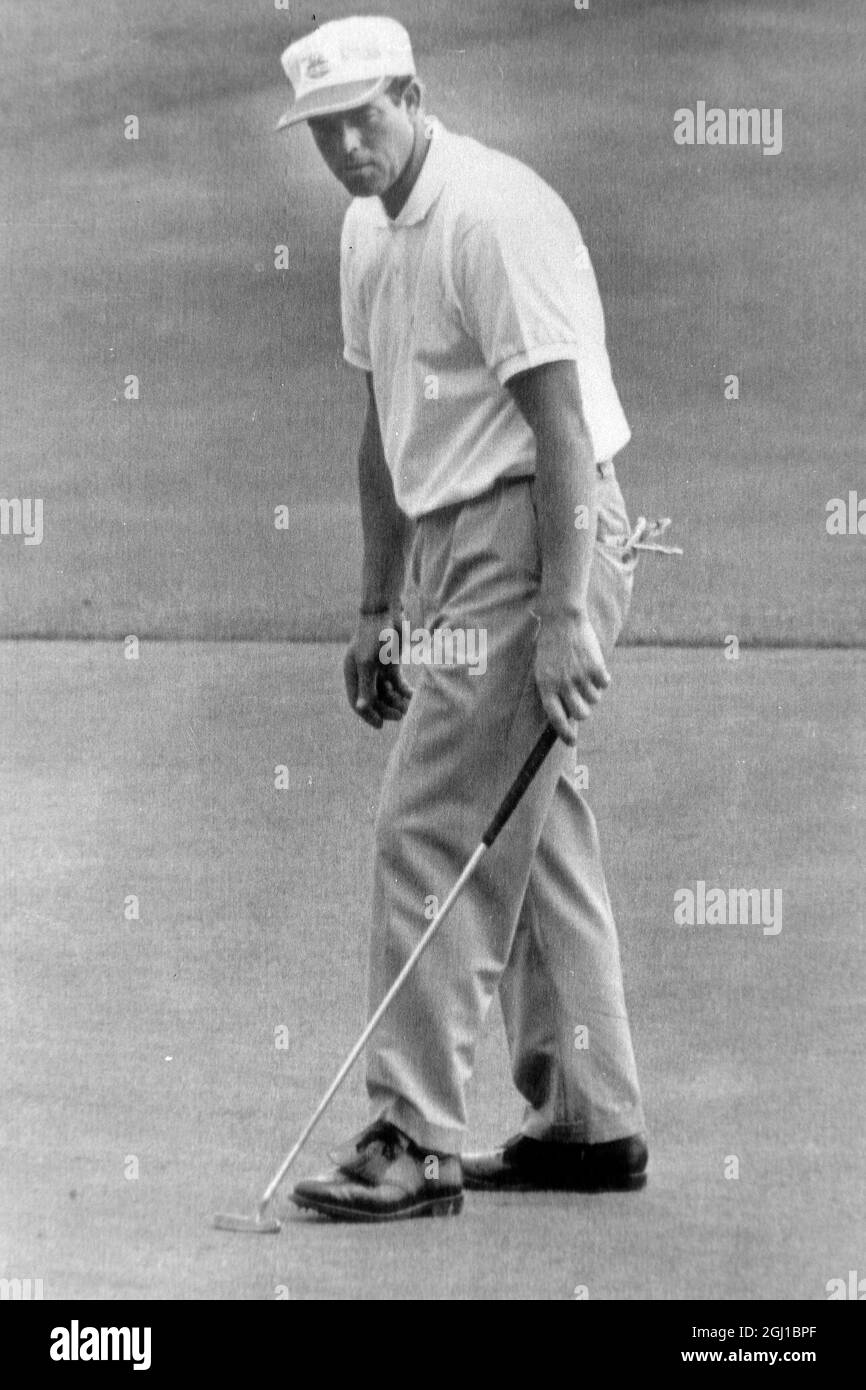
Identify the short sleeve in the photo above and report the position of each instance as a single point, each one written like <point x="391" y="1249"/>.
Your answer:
<point x="527" y="291"/>
<point x="356" y="339"/>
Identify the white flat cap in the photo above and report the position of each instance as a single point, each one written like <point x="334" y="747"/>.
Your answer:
<point x="344" y="64"/>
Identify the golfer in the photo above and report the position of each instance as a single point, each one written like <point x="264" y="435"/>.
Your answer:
<point x="491" y="513"/>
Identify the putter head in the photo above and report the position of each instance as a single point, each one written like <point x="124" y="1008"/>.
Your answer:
<point x="257" y="1224"/>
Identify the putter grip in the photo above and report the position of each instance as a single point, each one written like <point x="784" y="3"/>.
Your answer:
<point x="520" y="783"/>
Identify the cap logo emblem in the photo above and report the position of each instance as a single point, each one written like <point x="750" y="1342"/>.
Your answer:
<point x="317" y="65"/>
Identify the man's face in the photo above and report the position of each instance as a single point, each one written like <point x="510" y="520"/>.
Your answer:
<point x="367" y="148"/>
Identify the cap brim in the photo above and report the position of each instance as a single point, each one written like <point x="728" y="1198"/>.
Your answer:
<point x="331" y="102"/>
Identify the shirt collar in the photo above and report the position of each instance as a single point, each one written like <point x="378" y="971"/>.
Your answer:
<point x="428" y="185"/>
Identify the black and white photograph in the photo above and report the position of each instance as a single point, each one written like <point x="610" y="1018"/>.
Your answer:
<point x="432" y="657"/>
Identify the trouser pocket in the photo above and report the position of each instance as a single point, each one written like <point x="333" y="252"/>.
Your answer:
<point x="612" y="578"/>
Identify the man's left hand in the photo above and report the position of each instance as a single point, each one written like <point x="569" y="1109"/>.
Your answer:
<point x="570" y="672"/>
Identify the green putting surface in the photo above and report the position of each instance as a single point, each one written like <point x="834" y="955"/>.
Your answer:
<point x="142" y="1087"/>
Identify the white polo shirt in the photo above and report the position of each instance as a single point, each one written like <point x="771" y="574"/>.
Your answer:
<point x="483" y="274"/>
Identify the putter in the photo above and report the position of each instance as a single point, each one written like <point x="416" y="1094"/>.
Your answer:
<point x="261" y="1222"/>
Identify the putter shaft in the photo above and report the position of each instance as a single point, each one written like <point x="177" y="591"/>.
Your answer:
<point x="353" y="1056"/>
<point x="261" y="1221"/>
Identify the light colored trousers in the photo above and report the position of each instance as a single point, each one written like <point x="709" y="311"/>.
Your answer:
<point x="535" y="922"/>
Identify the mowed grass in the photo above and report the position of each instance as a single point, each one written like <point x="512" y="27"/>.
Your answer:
<point x="156" y="258"/>
<point x="142" y="1088"/>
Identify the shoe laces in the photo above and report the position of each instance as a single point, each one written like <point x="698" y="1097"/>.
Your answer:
<point x="391" y="1140"/>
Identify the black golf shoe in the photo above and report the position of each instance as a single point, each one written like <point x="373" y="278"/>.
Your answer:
<point x="384" y="1176"/>
<point x="535" y="1165"/>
